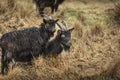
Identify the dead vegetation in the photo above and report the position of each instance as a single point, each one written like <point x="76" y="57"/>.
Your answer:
<point x="114" y="14"/>
<point x="95" y="52"/>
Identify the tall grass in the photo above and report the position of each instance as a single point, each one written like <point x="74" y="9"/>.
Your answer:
<point x="115" y="14"/>
<point x="95" y="47"/>
<point x="17" y="14"/>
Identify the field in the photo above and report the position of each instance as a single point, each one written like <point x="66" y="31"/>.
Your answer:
<point x="95" y="51"/>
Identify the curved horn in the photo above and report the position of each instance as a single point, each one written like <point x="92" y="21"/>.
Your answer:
<point x="65" y="24"/>
<point x="59" y="25"/>
<point x="51" y="17"/>
<point x="45" y="16"/>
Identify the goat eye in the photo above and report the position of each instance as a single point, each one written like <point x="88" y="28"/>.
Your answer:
<point x="63" y="36"/>
<point x="47" y="25"/>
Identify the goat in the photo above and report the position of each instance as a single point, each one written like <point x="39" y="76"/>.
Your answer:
<point x="24" y="45"/>
<point x="53" y="4"/>
<point x="61" y="42"/>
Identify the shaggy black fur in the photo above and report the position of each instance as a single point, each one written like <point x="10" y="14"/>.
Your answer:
<point x="53" y="4"/>
<point x="24" y="45"/>
<point x="60" y="42"/>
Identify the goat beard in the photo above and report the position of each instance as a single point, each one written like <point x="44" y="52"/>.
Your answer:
<point x="66" y="48"/>
<point x="50" y="33"/>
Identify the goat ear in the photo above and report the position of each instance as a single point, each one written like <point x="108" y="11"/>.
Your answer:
<point x="44" y="20"/>
<point x="56" y="20"/>
<point x="59" y="32"/>
<point x="71" y="29"/>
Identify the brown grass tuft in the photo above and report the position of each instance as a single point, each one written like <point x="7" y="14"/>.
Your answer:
<point x="97" y="31"/>
<point x="95" y="47"/>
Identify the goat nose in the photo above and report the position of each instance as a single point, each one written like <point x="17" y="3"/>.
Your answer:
<point x="69" y="43"/>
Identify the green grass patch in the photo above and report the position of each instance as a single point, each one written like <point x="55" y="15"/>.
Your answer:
<point x="91" y="17"/>
<point x="70" y="15"/>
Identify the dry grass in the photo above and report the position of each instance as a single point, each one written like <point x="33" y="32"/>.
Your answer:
<point x="95" y="51"/>
<point x="115" y="14"/>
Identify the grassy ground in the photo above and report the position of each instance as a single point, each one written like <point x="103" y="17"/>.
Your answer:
<point x="95" y="53"/>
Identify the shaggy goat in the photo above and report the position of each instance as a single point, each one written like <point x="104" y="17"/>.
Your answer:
<point x="41" y="4"/>
<point x="61" y="42"/>
<point x="24" y="45"/>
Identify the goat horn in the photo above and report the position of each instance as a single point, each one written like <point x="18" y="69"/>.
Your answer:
<point x="65" y="24"/>
<point x="45" y="16"/>
<point x="50" y="17"/>
<point x="59" y="25"/>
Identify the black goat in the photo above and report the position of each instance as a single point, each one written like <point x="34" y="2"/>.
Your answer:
<point x="24" y="45"/>
<point x="61" y="42"/>
<point x="53" y="4"/>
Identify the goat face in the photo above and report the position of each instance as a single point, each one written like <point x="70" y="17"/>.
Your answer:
<point x="66" y="39"/>
<point x="50" y="25"/>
